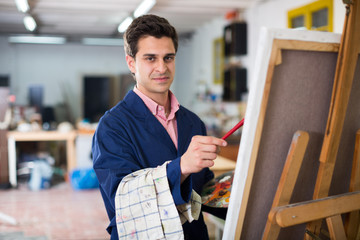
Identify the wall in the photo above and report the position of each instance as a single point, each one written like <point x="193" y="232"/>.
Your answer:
<point x="194" y="61"/>
<point x="54" y="65"/>
<point x="273" y="14"/>
<point x="59" y="68"/>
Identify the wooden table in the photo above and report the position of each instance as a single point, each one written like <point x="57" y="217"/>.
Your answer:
<point x="222" y="165"/>
<point x="15" y="136"/>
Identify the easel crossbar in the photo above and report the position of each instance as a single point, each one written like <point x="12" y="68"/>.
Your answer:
<point x="308" y="211"/>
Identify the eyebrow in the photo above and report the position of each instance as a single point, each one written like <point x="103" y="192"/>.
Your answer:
<point x="153" y="55"/>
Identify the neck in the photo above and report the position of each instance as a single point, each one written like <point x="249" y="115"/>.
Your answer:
<point x="162" y="100"/>
<point x="165" y="102"/>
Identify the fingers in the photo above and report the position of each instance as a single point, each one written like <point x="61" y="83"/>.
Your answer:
<point x="206" y="164"/>
<point x="200" y="153"/>
<point x="207" y="156"/>
<point x="209" y="140"/>
<point x="203" y="145"/>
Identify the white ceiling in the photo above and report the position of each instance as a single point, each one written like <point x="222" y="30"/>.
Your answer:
<point x="100" y="18"/>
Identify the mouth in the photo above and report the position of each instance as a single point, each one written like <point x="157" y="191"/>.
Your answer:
<point x="161" y="78"/>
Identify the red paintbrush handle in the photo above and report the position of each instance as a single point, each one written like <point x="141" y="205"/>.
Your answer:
<point x="237" y="126"/>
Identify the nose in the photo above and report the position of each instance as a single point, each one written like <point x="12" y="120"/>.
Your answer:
<point x="161" y="66"/>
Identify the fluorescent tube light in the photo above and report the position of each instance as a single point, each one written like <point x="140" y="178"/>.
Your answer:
<point x="29" y="23"/>
<point x="124" y="25"/>
<point x="36" y="39"/>
<point x="144" y="7"/>
<point x="103" y="41"/>
<point x="22" y="5"/>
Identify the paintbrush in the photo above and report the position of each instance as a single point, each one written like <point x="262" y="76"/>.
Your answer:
<point x="237" y="126"/>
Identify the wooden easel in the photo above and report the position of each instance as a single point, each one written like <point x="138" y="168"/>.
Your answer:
<point x="282" y="214"/>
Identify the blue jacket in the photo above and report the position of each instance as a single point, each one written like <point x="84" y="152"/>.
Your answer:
<point x="129" y="138"/>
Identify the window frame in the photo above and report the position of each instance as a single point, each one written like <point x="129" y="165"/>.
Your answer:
<point x="307" y="11"/>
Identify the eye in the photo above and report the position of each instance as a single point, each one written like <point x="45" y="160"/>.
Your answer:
<point x="169" y="58"/>
<point x="150" y="59"/>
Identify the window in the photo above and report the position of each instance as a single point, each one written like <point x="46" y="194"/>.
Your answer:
<point x="314" y="16"/>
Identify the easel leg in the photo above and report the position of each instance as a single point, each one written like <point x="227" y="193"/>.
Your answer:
<point x="336" y="228"/>
<point x="344" y="75"/>
<point x="353" y="221"/>
<point x="287" y="181"/>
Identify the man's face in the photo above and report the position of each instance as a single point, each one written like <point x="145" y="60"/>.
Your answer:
<point x="153" y="65"/>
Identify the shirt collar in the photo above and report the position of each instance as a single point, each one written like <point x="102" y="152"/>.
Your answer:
<point x="154" y="106"/>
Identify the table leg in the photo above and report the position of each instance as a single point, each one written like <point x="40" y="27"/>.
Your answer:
<point x="70" y="154"/>
<point x="12" y="161"/>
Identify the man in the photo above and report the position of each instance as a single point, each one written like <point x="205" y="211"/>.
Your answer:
<point x="149" y="128"/>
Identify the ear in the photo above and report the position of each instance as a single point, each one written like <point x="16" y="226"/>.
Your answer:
<point x="131" y="63"/>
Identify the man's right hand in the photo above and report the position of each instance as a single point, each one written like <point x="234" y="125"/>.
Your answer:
<point x="200" y="154"/>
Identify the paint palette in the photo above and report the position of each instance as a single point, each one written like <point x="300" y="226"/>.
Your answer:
<point x="216" y="193"/>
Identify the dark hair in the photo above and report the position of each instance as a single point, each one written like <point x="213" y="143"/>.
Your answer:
<point x="147" y="25"/>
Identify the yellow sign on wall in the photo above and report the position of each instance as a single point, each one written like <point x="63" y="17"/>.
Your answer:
<point x="218" y="60"/>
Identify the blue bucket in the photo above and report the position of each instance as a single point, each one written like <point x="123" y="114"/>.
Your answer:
<point x="84" y="178"/>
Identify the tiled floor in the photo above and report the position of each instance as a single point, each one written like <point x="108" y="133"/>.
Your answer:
<point x="58" y="213"/>
<point x="55" y="213"/>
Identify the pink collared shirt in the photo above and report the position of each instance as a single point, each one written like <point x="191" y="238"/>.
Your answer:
<point x="169" y="123"/>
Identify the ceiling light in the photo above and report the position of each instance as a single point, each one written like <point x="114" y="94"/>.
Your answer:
<point x="36" y="39"/>
<point x="103" y="41"/>
<point x="22" y="5"/>
<point x="29" y="23"/>
<point x="144" y="7"/>
<point x="124" y="25"/>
